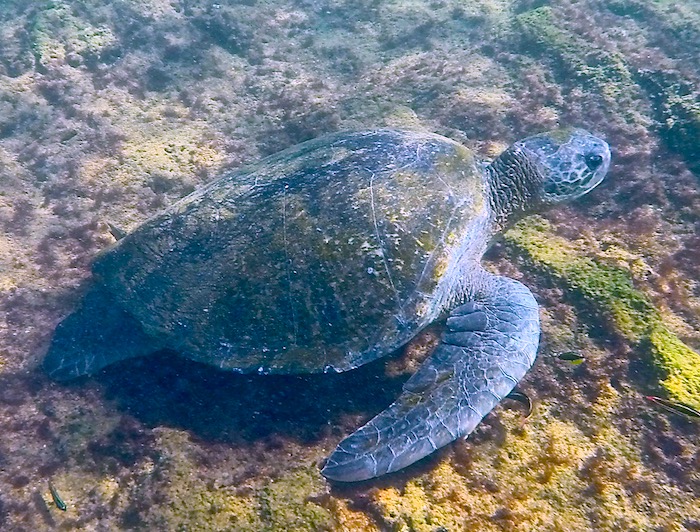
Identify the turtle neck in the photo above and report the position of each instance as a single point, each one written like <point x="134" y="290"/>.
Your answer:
<point x="515" y="181"/>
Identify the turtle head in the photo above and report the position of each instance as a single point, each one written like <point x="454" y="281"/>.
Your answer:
<point x="571" y="162"/>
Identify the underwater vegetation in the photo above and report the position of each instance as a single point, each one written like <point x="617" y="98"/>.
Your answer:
<point x="609" y="290"/>
<point x="110" y="111"/>
<point x="676" y="105"/>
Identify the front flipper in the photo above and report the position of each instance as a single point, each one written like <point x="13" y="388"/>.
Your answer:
<point x="488" y="346"/>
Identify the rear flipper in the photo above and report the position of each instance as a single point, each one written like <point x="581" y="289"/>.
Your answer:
<point x="99" y="333"/>
<point x="487" y="348"/>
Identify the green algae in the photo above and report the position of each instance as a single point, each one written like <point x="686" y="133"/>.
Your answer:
<point x="603" y="70"/>
<point x="285" y="506"/>
<point x="546" y="475"/>
<point x="610" y="289"/>
<point x="197" y="503"/>
<point x="680" y="365"/>
<point x="57" y="32"/>
<point x="676" y="106"/>
<point x="193" y="505"/>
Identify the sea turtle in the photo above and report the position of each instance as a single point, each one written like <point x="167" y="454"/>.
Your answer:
<point x="331" y="254"/>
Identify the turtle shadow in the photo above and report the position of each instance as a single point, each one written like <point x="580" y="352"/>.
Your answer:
<point x="221" y="406"/>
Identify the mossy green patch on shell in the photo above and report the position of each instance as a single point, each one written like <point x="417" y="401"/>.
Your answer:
<point x="610" y="289"/>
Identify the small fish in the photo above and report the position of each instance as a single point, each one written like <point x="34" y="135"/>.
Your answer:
<point x="675" y="406"/>
<point x="521" y="398"/>
<point x="57" y="498"/>
<point x="571" y="356"/>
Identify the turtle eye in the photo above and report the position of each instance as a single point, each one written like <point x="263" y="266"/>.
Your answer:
<point x="593" y="161"/>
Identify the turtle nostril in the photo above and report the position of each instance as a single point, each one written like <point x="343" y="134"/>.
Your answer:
<point x="593" y="161"/>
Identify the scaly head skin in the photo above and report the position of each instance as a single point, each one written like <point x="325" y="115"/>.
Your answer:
<point x="575" y="162"/>
<point x="544" y="170"/>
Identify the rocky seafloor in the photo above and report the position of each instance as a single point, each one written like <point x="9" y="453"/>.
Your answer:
<point x="110" y="111"/>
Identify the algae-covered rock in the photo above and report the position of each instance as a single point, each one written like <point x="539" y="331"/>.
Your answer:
<point x="58" y="36"/>
<point x="193" y="502"/>
<point x="285" y="503"/>
<point x="610" y="290"/>
<point x="676" y="104"/>
<point x="546" y="474"/>
<point x="601" y="69"/>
